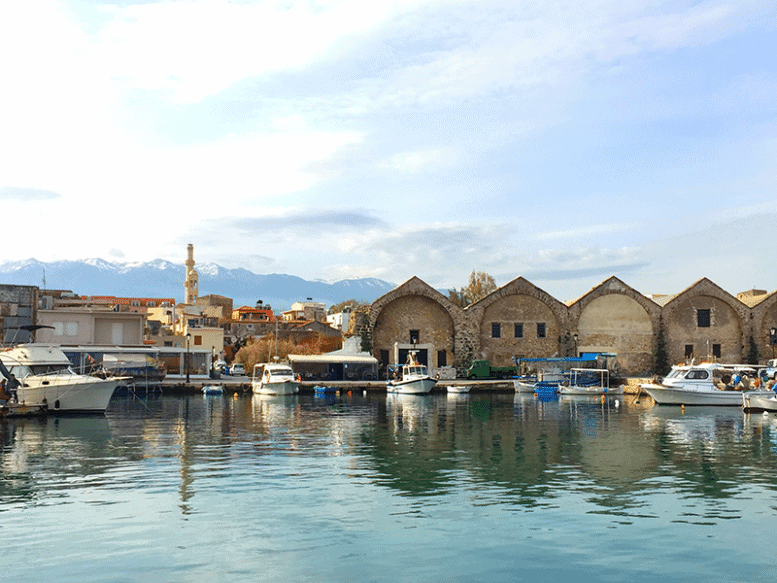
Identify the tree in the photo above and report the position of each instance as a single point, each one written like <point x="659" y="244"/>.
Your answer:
<point x="480" y="284"/>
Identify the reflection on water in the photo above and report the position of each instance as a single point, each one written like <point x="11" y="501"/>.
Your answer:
<point x="277" y="472"/>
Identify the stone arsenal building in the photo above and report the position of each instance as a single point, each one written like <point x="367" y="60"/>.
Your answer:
<point x="519" y="319"/>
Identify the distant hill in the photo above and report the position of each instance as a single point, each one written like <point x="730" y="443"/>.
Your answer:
<point x="160" y="278"/>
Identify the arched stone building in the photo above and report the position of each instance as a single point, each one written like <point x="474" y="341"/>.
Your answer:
<point x="518" y="319"/>
<point x="705" y="322"/>
<point x="614" y="317"/>
<point x="415" y="316"/>
<point x="763" y="317"/>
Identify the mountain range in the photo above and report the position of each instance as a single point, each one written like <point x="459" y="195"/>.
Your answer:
<point x="163" y="279"/>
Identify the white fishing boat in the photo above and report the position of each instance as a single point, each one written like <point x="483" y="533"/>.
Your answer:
<point x="525" y="384"/>
<point x="272" y="378"/>
<point x="45" y="378"/>
<point x="411" y="379"/>
<point x="458" y="389"/>
<point x="706" y="383"/>
<point x="759" y="401"/>
<point x="589" y="381"/>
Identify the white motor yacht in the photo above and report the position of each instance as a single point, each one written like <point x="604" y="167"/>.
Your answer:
<point x="46" y="378"/>
<point x="274" y="379"/>
<point x="706" y="383"/>
<point x="411" y="379"/>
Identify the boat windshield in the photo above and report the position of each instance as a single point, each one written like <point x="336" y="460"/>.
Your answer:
<point x="677" y="373"/>
<point x="697" y="374"/>
<point x="416" y="370"/>
<point x="40" y="369"/>
<point x="281" y="371"/>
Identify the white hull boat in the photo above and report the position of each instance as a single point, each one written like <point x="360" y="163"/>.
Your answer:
<point x="524" y="385"/>
<point x="412" y="379"/>
<point x="458" y="389"/>
<point x="701" y="384"/>
<point x="274" y="379"/>
<point x="589" y="382"/>
<point x="759" y="400"/>
<point x="47" y="379"/>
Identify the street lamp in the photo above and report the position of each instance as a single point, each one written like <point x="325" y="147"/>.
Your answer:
<point x="187" y="357"/>
<point x="773" y="339"/>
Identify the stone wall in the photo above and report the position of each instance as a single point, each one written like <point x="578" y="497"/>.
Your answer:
<point x="687" y="333"/>
<point x="612" y="317"/>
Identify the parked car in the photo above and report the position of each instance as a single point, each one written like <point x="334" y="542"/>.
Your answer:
<point x="238" y="369"/>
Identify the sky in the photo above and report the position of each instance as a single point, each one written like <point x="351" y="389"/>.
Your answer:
<point x="565" y="142"/>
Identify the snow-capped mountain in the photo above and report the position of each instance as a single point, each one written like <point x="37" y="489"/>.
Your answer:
<point x="163" y="279"/>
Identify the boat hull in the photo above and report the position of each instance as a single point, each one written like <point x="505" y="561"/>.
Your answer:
<point x="590" y="391"/>
<point x="759" y="400"/>
<point x="81" y="395"/>
<point x="671" y="396"/>
<point x="524" y="386"/>
<point x="411" y="387"/>
<point x="458" y="389"/>
<point x="276" y="388"/>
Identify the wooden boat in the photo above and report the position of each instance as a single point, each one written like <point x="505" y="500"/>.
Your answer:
<point x="759" y="401"/>
<point x="589" y="381"/>
<point x="23" y="410"/>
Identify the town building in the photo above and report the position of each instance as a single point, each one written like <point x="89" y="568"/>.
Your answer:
<point x="521" y="320"/>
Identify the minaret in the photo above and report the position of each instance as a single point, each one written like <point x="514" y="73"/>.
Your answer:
<point x="192" y="278"/>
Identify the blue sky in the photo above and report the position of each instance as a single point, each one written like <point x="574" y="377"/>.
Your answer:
<point x="560" y="141"/>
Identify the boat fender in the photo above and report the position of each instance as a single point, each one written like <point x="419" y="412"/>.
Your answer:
<point x="56" y="404"/>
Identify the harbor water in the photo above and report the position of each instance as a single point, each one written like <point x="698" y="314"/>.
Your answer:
<point x="389" y="488"/>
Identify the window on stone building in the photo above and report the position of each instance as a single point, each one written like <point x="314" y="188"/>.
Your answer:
<point x="198" y="340"/>
<point x="703" y="318"/>
<point x="716" y="350"/>
<point x="689" y="351"/>
<point x="415" y="337"/>
<point x="518" y="330"/>
<point x="442" y="358"/>
<point x="384" y="357"/>
<point x="496" y="330"/>
<point x="541" y="332"/>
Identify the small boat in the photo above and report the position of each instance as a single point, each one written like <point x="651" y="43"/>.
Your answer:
<point x="706" y="383"/>
<point x="322" y="389"/>
<point x="525" y="383"/>
<point x="213" y="389"/>
<point x="43" y="375"/>
<point x="589" y="381"/>
<point x="458" y="389"/>
<point x="759" y="401"/>
<point x="274" y="379"/>
<point x="411" y="379"/>
<point x="23" y="410"/>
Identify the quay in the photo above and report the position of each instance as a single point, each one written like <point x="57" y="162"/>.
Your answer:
<point x="243" y="385"/>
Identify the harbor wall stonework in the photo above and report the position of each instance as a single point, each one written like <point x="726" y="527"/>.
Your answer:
<point x="521" y="320"/>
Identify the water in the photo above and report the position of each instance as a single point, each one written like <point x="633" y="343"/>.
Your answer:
<point x="389" y="489"/>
